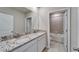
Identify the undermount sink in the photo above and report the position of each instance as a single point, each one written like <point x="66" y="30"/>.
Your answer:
<point x="13" y="41"/>
<point x="16" y="35"/>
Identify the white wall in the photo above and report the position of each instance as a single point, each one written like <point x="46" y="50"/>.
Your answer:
<point x="18" y="18"/>
<point x="73" y="28"/>
<point x="77" y="27"/>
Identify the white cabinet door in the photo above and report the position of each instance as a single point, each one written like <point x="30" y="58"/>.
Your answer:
<point x="32" y="48"/>
<point x="41" y="43"/>
<point x="29" y="47"/>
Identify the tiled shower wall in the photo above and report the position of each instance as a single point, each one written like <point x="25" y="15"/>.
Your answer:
<point x="56" y="23"/>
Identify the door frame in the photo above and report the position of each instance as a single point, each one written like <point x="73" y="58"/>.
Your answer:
<point x="68" y="14"/>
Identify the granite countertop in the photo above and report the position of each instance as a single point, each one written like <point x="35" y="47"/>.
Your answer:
<point x="8" y="45"/>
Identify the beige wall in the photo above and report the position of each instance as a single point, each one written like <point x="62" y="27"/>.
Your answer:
<point x="19" y="22"/>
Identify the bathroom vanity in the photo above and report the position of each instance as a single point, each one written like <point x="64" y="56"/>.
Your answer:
<point x="34" y="42"/>
<point x="14" y="23"/>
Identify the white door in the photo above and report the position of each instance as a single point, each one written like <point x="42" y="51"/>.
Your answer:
<point x="65" y="22"/>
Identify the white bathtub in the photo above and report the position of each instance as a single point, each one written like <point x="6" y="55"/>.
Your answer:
<point x="57" y="37"/>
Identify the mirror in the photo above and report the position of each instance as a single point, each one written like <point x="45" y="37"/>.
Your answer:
<point x="34" y="15"/>
<point x="16" y="22"/>
<point x="6" y="24"/>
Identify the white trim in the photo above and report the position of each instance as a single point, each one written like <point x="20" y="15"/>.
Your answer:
<point x="69" y="30"/>
<point x="25" y="24"/>
<point x="68" y="10"/>
<point x="77" y="28"/>
<point x="49" y="31"/>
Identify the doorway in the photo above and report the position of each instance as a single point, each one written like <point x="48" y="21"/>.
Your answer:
<point x="59" y="31"/>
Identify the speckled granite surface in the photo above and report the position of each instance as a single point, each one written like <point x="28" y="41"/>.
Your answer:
<point x="8" y="45"/>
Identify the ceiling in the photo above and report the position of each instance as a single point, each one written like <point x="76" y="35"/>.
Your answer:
<point x="23" y="9"/>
